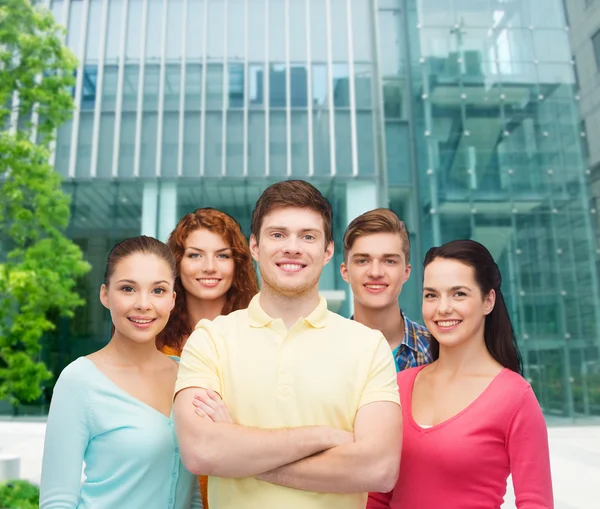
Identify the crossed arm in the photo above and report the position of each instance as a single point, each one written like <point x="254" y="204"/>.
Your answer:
<point x="370" y="462"/>
<point x="225" y="449"/>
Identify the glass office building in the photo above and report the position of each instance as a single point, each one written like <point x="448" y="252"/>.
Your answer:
<point x="460" y="115"/>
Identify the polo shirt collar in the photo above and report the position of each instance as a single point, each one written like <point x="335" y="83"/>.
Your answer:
<point x="259" y="318"/>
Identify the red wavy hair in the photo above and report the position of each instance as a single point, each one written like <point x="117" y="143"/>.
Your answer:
<point x="243" y="287"/>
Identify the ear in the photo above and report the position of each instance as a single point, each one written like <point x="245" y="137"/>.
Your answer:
<point x="174" y="297"/>
<point x="328" y="253"/>
<point x="344" y="272"/>
<point x="407" y="270"/>
<point x="104" y="296"/>
<point x="489" y="302"/>
<point x="254" y="247"/>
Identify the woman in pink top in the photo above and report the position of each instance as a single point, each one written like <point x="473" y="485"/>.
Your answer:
<point x="470" y="418"/>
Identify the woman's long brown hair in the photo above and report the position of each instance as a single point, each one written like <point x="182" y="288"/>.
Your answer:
<point x="244" y="285"/>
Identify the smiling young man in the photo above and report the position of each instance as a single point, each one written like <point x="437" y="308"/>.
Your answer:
<point x="313" y="399"/>
<point x="376" y="265"/>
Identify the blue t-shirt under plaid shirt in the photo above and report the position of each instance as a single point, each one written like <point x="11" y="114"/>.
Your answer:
<point x="414" y="350"/>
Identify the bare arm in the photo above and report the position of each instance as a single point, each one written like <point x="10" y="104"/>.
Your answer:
<point x="370" y="463"/>
<point x="224" y="449"/>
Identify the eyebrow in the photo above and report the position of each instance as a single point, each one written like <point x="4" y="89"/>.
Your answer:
<point x="202" y="250"/>
<point x="135" y="282"/>
<point x="286" y="229"/>
<point x="452" y="288"/>
<point x="384" y="255"/>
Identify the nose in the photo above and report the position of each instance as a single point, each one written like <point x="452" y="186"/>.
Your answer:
<point x="291" y="245"/>
<point x="143" y="301"/>
<point x="375" y="269"/>
<point x="208" y="265"/>
<point x="444" y="305"/>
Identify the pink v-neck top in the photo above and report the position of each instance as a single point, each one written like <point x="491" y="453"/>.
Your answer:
<point x="464" y="462"/>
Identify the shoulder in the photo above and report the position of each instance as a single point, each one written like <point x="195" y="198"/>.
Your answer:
<point x="76" y="372"/>
<point x="407" y="376"/>
<point x="512" y="383"/>
<point x="223" y="323"/>
<point x="510" y="394"/>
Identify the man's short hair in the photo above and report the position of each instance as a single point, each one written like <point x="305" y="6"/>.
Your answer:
<point x="292" y="193"/>
<point x="376" y="221"/>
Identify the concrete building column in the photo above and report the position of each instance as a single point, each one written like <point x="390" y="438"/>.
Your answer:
<point x="360" y="198"/>
<point x="159" y="209"/>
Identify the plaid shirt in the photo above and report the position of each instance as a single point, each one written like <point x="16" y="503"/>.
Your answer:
<point x="414" y="349"/>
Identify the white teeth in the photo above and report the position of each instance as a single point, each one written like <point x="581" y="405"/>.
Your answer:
<point x="290" y="266"/>
<point x="209" y="281"/>
<point x="376" y="287"/>
<point x="140" y="321"/>
<point x="450" y="323"/>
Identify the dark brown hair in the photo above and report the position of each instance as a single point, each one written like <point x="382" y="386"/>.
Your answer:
<point x="292" y="193"/>
<point x="243" y="287"/>
<point x="376" y="221"/>
<point x="141" y="244"/>
<point x="498" y="333"/>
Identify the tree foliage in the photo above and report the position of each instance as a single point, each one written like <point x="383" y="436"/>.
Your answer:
<point x="38" y="265"/>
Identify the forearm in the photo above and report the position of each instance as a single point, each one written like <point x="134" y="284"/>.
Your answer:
<point x="230" y="450"/>
<point x="351" y="468"/>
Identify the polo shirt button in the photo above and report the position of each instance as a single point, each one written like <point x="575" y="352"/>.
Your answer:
<point x="174" y="475"/>
<point x="176" y="449"/>
<point x="171" y="424"/>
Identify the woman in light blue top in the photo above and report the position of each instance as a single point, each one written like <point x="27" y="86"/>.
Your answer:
<point x="112" y="410"/>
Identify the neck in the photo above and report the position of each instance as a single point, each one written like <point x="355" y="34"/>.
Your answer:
<point x="199" y="309"/>
<point x="129" y="352"/>
<point x="472" y="357"/>
<point x="288" y="307"/>
<point x="387" y="320"/>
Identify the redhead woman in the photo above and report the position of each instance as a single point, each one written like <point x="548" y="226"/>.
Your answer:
<point x="215" y="276"/>
<point x="111" y="410"/>
<point x="470" y="418"/>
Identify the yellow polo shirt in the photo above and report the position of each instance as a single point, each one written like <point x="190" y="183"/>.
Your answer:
<point x="319" y="372"/>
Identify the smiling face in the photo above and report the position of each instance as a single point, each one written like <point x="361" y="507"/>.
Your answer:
<point x="454" y="308"/>
<point x="207" y="266"/>
<point x="292" y="250"/>
<point x="376" y="270"/>
<point x="139" y="296"/>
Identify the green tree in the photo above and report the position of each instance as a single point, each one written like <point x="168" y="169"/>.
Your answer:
<point x="39" y="265"/>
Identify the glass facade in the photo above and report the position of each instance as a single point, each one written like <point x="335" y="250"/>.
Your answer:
<point x="460" y="115"/>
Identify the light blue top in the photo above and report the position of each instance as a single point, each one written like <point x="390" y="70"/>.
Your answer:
<point x="130" y="450"/>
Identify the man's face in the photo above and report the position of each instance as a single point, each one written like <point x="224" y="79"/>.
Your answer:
<point x="292" y="250"/>
<point x="376" y="270"/>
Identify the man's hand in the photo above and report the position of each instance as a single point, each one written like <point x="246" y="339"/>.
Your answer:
<point x="210" y="406"/>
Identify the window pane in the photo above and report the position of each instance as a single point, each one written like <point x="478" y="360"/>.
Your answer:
<point x="297" y="30"/>
<point x="195" y="30"/>
<point x="339" y="30"/>
<point x="256" y="143"/>
<point x="278" y="143"/>
<point x="213" y="144"/>
<point x="277" y="27"/>
<point x="134" y="30"/>
<point x="174" y="23"/>
<point x="113" y="35"/>
<point x="236" y="30"/>
<point x="235" y="143"/>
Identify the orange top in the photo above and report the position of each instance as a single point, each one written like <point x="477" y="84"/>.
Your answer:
<point x="167" y="350"/>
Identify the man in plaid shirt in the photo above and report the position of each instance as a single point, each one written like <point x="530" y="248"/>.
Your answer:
<point x="376" y="265"/>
